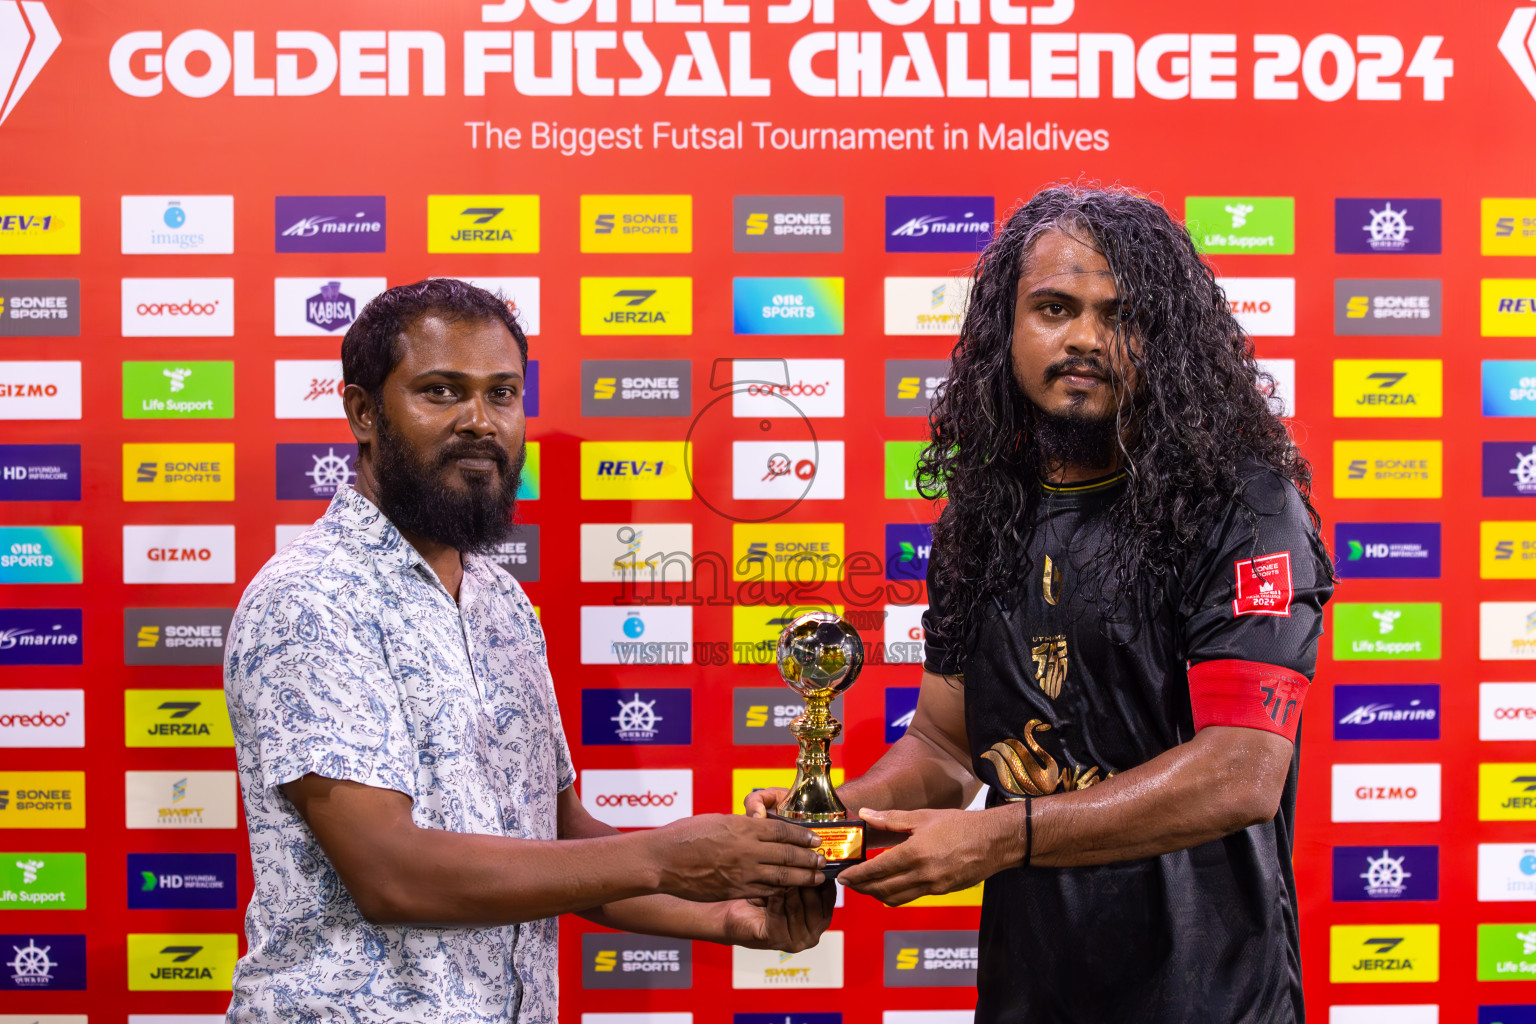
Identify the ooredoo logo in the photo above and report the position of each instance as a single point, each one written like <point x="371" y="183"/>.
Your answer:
<point x="42" y="718"/>
<point x="178" y="307"/>
<point x="27" y="39"/>
<point x="637" y="799"/>
<point x="178" y="554"/>
<point x="1506" y="711"/>
<point x="1386" y="792"/>
<point x="784" y="388"/>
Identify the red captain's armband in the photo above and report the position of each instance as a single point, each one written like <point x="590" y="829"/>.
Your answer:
<point x="1249" y="694"/>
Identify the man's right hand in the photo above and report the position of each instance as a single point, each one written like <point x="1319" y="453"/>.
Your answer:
<point x="729" y="856"/>
<point x="760" y="801"/>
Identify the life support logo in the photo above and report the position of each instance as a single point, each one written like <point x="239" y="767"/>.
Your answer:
<point x="1264" y="586"/>
<point x="637" y="798"/>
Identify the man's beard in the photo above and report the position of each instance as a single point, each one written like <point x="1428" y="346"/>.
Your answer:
<point x="1076" y="438"/>
<point x="418" y="499"/>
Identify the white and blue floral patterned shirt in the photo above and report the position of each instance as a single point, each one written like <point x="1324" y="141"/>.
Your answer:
<point x="347" y="658"/>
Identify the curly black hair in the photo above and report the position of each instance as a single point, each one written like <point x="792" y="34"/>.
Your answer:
<point x="1190" y="433"/>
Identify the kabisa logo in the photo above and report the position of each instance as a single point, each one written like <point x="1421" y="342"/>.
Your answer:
<point x="42" y="799"/>
<point x="1369" y="874"/>
<point x="1506" y="872"/>
<point x="1508" y="307"/>
<point x="178" y="307"/>
<point x="178" y="225"/>
<point x="788" y="223"/>
<point x="40" y="636"/>
<point x="921" y="959"/>
<point x="1402" y="631"/>
<point x="42" y="718"/>
<point x="1386" y="792"/>
<point x="1509" y="387"/>
<point x="42" y="963"/>
<point x="906" y="550"/>
<point x="1251" y="224"/>
<point x="761" y="715"/>
<point x="29" y="38"/>
<point x="805" y="553"/>
<point x="637" y="798"/>
<point x="1506" y="791"/>
<point x="1399" y="307"/>
<point x="1385" y="953"/>
<point x="636" y="716"/>
<point x="184" y="963"/>
<point x="39" y="225"/>
<point x="178" y="472"/>
<point x="911" y="385"/>
<point x="1386" y="225"/>
<point x="938" y="223"/>
<point x="1506" y="952"/>
<point x="181" y="881"/>
<point x="320" y="307"/>
<point x="40" y="390"/>
<point x="636" y="387"/>
<point x="637" y="305"/>
<point x="42" y="881"/>
<point x="39" y="472"/>
<point x="39" y="307"/>
<point x="1386" y="711"/>
<point x="307" y="472"/>
<point x="637" y="223"/>
<point x="175" y="636"/>
<point x="1509" y="225"/>
<point x="187" y="389"/>
<point x="1395" y="387"/>
<point x="176" y="718"/>
<point x="330" y="223"/>
<point x="41" y="554"/>
<point x="788" y="305"/>
<point x="900" y="708"/>
<point x="1509" y="469"/>
<point x="612" y="961"/>
<point x="482" y="223"/>
<point x="1387" y="550"/>
<point x="1387" y="469"/>
<point x="630" y="470"/>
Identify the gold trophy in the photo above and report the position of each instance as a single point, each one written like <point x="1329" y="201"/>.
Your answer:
<point x="819" y="656"/>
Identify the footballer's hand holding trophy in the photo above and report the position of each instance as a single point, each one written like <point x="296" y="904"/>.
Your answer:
<point x="819" y="656"/>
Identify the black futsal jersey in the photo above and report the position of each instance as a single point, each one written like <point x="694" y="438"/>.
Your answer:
<point x="1060" y="695"/>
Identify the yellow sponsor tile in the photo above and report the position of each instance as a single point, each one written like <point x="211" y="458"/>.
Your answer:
<point x="654" y="224"/>
<point x="755" y="629"/>
<point x="482" y="223"/>
<point x="637" y="305"/>
<point x="181" y="962"/>
<point x="178" y="472"/>
<point x="39" y="225"/>
<point x="746" y="780"/>
<point x="42" y="799"/>
<point x="1387" y="469"/>
<point x="1508" y="307"/>
<point x="1383" y="952"/>
<point x="634" y="470"/>
<point x="1506" y="791"/>
<point x="176" y="718"/>
<point x="1508" y="227"/>
<point x="1387" y="387"/>
<point x="1507" y="550"/>
<point x="805" y="553"/>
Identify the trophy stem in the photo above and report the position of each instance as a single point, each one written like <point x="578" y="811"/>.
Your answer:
<point x="811" y="796"/>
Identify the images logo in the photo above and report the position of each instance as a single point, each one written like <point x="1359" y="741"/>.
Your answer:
<point x="636" y="387"/>
<point x="30" y="38"/>
<point x="306" y="472"/>
<point x="787" y="388"/>
<point x="308" y="389"/>
<point x="922" y="959"/>
<point x="38" y="225"/>
<point x="1386" y="632"/>
<point x="636" y="223"/>
<point x="788" y="305"/>
<point x="178" y="554"/>
<point x="178" y="472"/>
<point x="787" y="470"/>
<point x="642" y="552"/>
<point x="1265" y="307"/>
<point x="788" y="223"/>
<point x="39" y="307"/>
<point x="181" y="963"/>
<point x="1506" y="711"/>
<point x="175" y="636"/>
<point x="1506" y="791"/>
<point x="42" y="799"/>
<point x="180" y="800"/>
<point x="181" y="881"/>
<point x="176" y="718"/>
<point x="42" y="718"/>
<point x="1508" y="307"/>
<point x="1368" y="874"/>
<point x="634" y="470"/>
<point x="330" y="223"/>
<point x="500" y="223"/>
<point x="39" y="472"/>
<point x="640" y="798"/>
<point x="760" y="716"/>
<point x="912" y="384"/>
<point x="821" y="966"/>
<point x="937" y="223"/>
<point x="1396" y="387"/>
<point x="1258" y="224"/>
<point x="1390" y="953"/>
<point x="1386" y="225"/>
<point x="42" y="881"/>
<point x="637" y="305"/>
<point x="1509" y="225"/>
<point x="1387" y="550"/>
<point x="178" y="307"/>
<point x="621" y="635"/>
<point x="178" y="225"/>
<point x="636" y="716"/>
<point x="184" y="390"/>
<point x="801" y="552"/>
<point x="1383" y="711"/>
<point x="40" y="636"/>
<point x="41" y="554"/>
<point x="1506" y="872"/>
<point x="32" y="962"/>
<point x="1387" y="469"/>
<point x="1401" y="307"/>
<point x="40" y="390"/>
<point x="925" y="305"/>
<point x="635" y="961"/>
<point x="317" y="307"/>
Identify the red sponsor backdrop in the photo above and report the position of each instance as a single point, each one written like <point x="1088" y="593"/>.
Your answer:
<point x="76" y="132"/>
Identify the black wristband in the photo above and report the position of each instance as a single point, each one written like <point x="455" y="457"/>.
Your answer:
<point x="1029" y="829"/>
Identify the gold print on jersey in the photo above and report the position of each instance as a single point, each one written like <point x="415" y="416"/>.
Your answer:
<point x="1050" y="655"/>
<point x="1050" y="581"/>
<point x="1025" y="769"/>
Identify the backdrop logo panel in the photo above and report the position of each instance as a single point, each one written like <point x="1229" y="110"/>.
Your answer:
<point x="788" y="223"/>
<point x="43" y="308"/>
<point x="330" y="223"/>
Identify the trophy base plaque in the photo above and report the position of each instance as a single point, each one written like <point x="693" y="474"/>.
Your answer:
<point x="842" y="841"/>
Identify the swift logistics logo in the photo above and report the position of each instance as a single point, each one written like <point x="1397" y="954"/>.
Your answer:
<point x="610" y="961"/>
<point x="760" y="715"/>
<point x="42" y="554"/>
<point x="635" y="470"/>
<point x="925" y="305"/>
<point x="181" y="962"/>
<point x="938" y="223"/>
<point x="651" y="224"/>
<point x="178" y="225"/>
<point x="178" y="472"/>
<point x="178" y="554"/>
<point x="40" y="307"/>
<point x="1383" y="953"/>
<point x="1397" y="306"/>
<point x="911" y="385"/>
<point x="1387" y="550"/>
<point x="1250" y="224"/>
<point x="318" y="307"/>
<point x="788" y="223"/>
<point x="1509" y="469"/>
<point x="1506" y="711"/>
<point x="787" y="305"/>
<point x="821" y="966"/>
<point x="637" y="305"/>
<point x="43" y="881"/>
<point x="931" y="958"/>
<point x="40" y="390"/>
<point x="176" y="718"/>
<point x="1387" y="387"/>
<point x="38" y="225"/>
<point x="1507" y="550"/>
<point x="42" y="799"/>
<point x="1506" y="630"/>
<point x="182" y="390"/>
<point x="642" y="798"/>
<point x="42" y="718"/>
<point x="1506" y="952"/>
<point x="1506" y="791"/>
<point x="307" y="472"/>
<point x="798" y="552"/>
<point x="1386" y="632"/>
<point x="636" y="716"/>
<point x="181" y="881"/>
<point x="39" y="472"/>
<point x="1508" y="307"/>
<point x="27" y="39"/>
<point x="42" y="963"/>
<point x="1265" y="307"/>
<point x="1508" y="226"/>
<point x="1386" y="711"/>
<point x="1387" y="469"/>
<point x="175" y="636"/>
<point x="646" y="552"/>
<point x="1509" y="387"/>
<point x="180" y="800"/>
<point x="1375" y="874"/>
<point x="178" y="307"/>
<point x="483" y="223"/>
<point x="1506" y="872"/>
<point x="1392" y="226"/>
<point x="622" y="635"/>
<point x="40" y="636"/>
<point x="330" y="223"/>
<point x="636" y="387"/>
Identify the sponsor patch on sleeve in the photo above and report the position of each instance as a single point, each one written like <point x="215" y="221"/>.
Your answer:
<point x="1263" y="586"/>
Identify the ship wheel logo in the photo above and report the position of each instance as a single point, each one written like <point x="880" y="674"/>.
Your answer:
<point x="330" y="473"/>
<point x="1385" y="875"/>
<point x="1389" y="228"/>
<point x="31" y="965"/>
<point x="636" y="719"/>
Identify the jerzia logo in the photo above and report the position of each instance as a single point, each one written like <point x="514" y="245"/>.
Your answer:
<point x="27" y="39"/>
<point x="1371" y="952"/>
<point x="636" y="305"/>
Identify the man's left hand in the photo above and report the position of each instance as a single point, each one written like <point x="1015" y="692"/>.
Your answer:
<point x="945" y="851"/>
<point x="790" y="922"/>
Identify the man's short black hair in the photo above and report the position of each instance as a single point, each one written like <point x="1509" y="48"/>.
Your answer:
<point x="371" y="348"/>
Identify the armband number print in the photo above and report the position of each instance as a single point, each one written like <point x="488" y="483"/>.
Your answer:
<point x="1250" y="694"/>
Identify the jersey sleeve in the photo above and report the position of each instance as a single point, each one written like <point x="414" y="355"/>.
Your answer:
<point x="941" y="654"/>
<point x="1253" y="611"/>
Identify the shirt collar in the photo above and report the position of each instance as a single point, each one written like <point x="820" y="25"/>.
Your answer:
<point x="361" y="518"/>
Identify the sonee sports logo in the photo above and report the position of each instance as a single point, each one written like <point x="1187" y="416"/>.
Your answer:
<point x="27" y="39"/>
